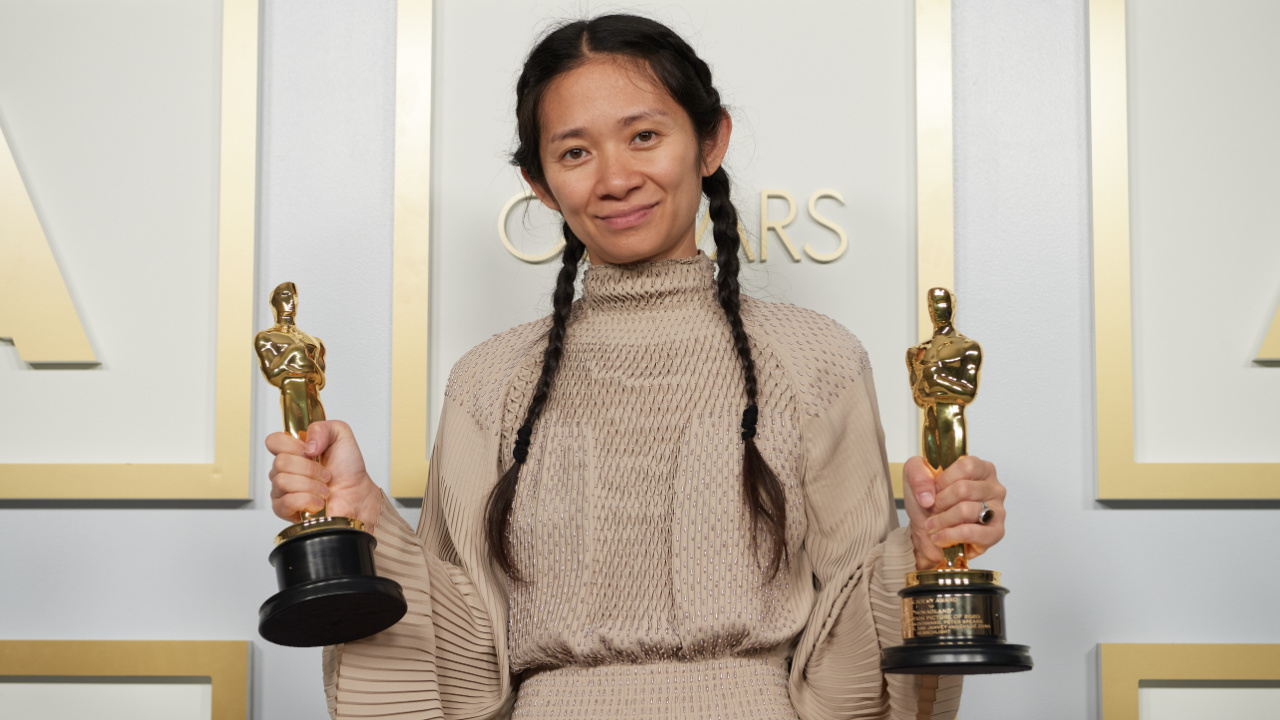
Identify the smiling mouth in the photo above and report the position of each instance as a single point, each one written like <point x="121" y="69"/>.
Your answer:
<point x="628" y="218"/>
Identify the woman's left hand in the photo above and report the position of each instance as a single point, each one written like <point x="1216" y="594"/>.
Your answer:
<point x="944" y="510"/>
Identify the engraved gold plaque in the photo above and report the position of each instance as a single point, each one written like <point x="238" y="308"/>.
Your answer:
<point x="952" y="616"/>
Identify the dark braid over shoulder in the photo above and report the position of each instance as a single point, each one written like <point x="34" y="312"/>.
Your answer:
<point x="498" y="512"/>
<point x="688" y="79"/>
<point x="761" y="489"/>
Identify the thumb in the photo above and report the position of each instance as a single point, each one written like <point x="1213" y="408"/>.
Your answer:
<point x="920" y="482"/>
<point x="320" y="435"/>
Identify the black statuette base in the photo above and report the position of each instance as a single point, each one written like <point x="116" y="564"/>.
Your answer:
<point x="329" y="592"/>
<point x="953" y="624"/>
<point x="956" y="659"/>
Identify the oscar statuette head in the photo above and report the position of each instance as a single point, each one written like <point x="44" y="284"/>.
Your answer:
<point x="284" y="303"/>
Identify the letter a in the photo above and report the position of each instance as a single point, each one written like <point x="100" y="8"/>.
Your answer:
<point x="1270" y="352"/>
<point x="35" y="307"/>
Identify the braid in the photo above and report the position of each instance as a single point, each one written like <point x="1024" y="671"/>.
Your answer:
<point x="761" y="489"/>
<point x="501" y="499"/>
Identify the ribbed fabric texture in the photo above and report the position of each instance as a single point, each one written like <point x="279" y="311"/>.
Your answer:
<point x="643" y="596"/>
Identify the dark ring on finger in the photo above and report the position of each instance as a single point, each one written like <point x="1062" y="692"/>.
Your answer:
<point x="987" y="514"/>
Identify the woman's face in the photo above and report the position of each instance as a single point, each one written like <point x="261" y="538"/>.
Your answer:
<point x="622" y="163"/>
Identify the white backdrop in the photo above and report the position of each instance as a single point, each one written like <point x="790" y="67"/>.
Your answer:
<point x="112" y="116"/>
<point x="1080" y="573"/>
<point x="1206" y="251"/>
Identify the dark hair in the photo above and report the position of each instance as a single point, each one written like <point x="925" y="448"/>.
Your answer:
<point x="688" y="79"/>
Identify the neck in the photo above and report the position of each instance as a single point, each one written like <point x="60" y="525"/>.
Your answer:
<point x="662" y="284"/>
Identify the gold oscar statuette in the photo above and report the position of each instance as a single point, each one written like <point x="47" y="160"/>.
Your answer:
<point x="329" y="591"/>
<point x="952" y="616"/>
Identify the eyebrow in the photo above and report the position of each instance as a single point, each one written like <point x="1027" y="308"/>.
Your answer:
<point x="578" y="132"/>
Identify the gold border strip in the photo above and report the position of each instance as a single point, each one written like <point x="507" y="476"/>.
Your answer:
<point x="225" y="663"/>
<point x="410" y="361"/>
<point x="1120" y="477"/>
<point x="1124" y="667"/>
<point x="410" y="339"/>
<point x="228" y="476"/>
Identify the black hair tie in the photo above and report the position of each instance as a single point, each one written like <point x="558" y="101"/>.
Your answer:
<point x="521" y="451"/>
<point x="749" y="421"/>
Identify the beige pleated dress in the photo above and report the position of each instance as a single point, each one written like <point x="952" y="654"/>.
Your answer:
<point x="643" y="597"/>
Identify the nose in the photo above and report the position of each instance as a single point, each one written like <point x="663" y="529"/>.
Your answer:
<point x="618" y="175"/>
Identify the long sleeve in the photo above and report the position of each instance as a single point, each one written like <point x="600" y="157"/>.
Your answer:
<point x="859" y="557"/>
<point x="446" y="657"/>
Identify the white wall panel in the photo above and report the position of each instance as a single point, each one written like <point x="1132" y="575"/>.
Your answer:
<point x="105" y="700"/>
<point x="111" y="110"/>
<point x="1199" y="703"/>
<point x="1205" y="241"/>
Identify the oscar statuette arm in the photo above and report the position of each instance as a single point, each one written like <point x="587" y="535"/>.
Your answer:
<point x="442" y="660"/>
<point x="860" y="558"/>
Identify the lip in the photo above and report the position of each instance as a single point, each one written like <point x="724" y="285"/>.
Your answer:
<point x="628" y="217"/>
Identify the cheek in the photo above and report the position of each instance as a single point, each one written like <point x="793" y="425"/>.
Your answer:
<point x="572" y="191"/>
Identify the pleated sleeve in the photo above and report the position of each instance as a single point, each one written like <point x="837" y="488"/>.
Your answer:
<point x="447" y="657"/>
<point x="860" y="558"/>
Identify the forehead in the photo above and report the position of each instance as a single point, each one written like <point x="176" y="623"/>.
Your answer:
<point x="601" y="92"/>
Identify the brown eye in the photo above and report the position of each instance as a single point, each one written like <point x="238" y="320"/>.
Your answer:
<point x="573" y="154"/>
<point x="645" y="136"/>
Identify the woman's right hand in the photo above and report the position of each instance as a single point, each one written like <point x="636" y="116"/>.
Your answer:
<point x="327" y="468"/>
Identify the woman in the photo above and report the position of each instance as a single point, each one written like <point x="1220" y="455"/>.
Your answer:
<point x="665" y="500"/>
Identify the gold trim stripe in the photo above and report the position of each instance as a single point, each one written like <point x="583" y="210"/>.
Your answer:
<point x="228" y="476"/>
<point x="225" y="663"/>
<point x="1120" y="477"/>
<point x="410" y="361"/>
<point x="1124" y="667"/>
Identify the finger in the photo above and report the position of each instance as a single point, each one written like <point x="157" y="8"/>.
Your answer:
<point x="987" y="491"/>
<point x="966" y="467"/>
<point x="291" y="506"/>
<point x="284" y="443"/>
<point x="964" y="512"/>
<point x="919" y="479"/>
<point x="980" y="537"/>
<point x="932" y="553"/>
<point x="284" y="484"/>
<point x="294" y="465"/>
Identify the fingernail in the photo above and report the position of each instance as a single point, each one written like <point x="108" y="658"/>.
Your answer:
<point x="324" y="492"/>
<point x="311" y="447"/>
<point x="326" y="474"/>
<point x="929" y="525"/>
<point x="926" y="499"/>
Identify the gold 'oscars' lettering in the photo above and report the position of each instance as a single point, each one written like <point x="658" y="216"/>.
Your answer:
<point x="505" y="213"/>
<point x="766" y="224"/>
<point x="36" y="311"/>
<point x="824" y="222"/>
<point x="1270" y="351"/>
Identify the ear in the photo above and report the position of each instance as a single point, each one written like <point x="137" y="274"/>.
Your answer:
<point x="713" y="154"/>
<point x="543" y="193"/>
